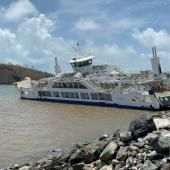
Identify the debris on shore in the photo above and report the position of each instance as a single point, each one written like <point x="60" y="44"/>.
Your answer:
<point x="144" y="146"/>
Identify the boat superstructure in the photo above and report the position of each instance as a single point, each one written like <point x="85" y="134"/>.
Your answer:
<point x="101" y="85"/>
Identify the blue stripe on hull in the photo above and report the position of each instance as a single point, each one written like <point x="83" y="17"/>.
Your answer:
<point x="90" y="103"/>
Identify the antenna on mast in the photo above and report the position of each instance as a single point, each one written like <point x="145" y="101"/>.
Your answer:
<point x="78" y="49"/>
<point x="74" y="48"/>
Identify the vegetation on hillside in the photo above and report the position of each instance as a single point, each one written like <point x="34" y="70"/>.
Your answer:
<point x="12" y="73"/>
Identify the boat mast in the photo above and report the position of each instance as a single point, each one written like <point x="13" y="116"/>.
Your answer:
<point x="57" y="67"/>
<point x="156" y="67"/>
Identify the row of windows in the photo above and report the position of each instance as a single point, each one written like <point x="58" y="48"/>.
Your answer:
<point x="74" y="85"/>
<point x="94" y="96"/>
<point x="101" y="96"/>
<point x="45" y="93"/>
<point x="82" y="64"/>
<point x="70" y="95"/>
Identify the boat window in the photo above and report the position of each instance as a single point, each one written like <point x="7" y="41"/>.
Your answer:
<point x="48" y="93"/>
<point x="69" y="95"/>
<point x="64" y="85"/>
<point x="39" y="93"/>
<point x="63" y="94"/>
<point x="76" y="95"/>
<point x="102" y="96"/>
<point x="56" y="94"/>
<point x="72" y="95"/>
<point x="108" y="97"/>
<point x="75" y="85"/>
<point x="43" y="93"/>
<point x="60" y="85"/>
<point x="70" y="85"/>
<point x="55" y="85"/>
<point x="84" y="95"/>
<point x="81" y="86"/>
<point x="82" y="64"/>
<point x="94" y="96"/>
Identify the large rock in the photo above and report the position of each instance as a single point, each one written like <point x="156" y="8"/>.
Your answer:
<point x="162" y="143"/>
<point x="79" y="166"/>
<point x="150" y="137"/>
<point x="88" y="152"/>
<point x="148" y="165"/>
<point x="76" y="157"/>
<point x="166" y="167"/>
<point x="106" y="167"/>
<point x="125" y="136"/>
<point x="109" y="152"/>
<point x="115" y="162"/>
<point x="141" y="126"/>
<point x="24" y="168"/>
<point x="122" y="154"/>
<point x="161" y="123"/>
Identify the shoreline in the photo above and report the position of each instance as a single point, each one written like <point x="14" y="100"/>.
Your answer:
<point x="145" y="145"/>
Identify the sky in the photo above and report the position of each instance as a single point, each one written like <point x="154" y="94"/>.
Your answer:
<point x="117" y="32"/>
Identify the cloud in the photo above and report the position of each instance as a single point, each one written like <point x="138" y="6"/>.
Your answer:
<point x="125" y="24"/>
<point x="150" y="37"/>
<point x="33" y="44"/>
<point x="86" y="25"/>
<point x="40" y="26"/>
<point x="18" y="10"/>
<point x="124" y="57"/>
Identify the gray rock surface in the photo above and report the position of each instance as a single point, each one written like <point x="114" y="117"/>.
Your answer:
<point x="148" y="165"/>
<point x="109" y="152"/>
<point x="162" y="144"/>
<point x="125" y="136"/>
<point x="141" y="126"/>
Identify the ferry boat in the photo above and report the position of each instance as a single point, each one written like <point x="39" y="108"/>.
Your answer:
<point x="101" y="85"/>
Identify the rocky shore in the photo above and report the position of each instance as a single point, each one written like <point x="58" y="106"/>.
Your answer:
<point x="144" y="146"/>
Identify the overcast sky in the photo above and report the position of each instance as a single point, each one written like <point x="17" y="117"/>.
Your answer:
<point x="118" y="32"/>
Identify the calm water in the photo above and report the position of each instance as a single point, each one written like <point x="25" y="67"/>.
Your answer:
<point x="28" y="128"/>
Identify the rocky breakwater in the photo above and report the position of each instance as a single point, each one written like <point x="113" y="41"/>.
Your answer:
<point x="144" y="146"/>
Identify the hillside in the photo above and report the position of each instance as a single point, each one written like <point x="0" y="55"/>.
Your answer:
<point x="13" y="73"/>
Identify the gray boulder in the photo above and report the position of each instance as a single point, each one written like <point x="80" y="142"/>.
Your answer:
<point x="162" y="143"/>
<point x="76" y="157"/>
<point x="141" y="126"/>
<point x="148" y="165"/>
<point x="122" y="154"/>
<point x="109" y="152"/>
<point x="161" y="123"/>
<point x="79" y="166"/>
<point x="115" y="162"/>
<point x="106" y="167"/>
<point x="88" y="152"/>
<point x="24" y="168"/>
<point x="125" y="136"/>
<point x="166" y="167"/>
